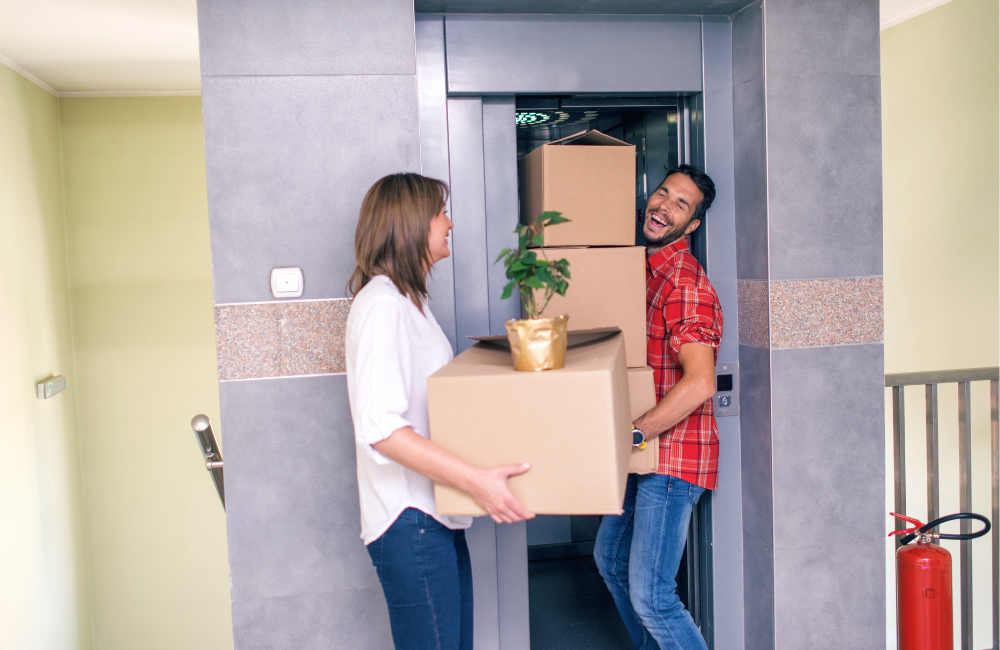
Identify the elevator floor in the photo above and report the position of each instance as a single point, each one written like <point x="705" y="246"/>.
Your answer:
<point x="571" y="608"/>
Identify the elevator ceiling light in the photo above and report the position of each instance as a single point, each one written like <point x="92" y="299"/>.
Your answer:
<point x="526" y="118"/>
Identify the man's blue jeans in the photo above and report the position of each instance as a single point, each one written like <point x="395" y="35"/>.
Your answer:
<point x="426" y="576"/>
<point x="638" y="554"/>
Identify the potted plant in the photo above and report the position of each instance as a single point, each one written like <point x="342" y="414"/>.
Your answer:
<point x="536" y="343"/>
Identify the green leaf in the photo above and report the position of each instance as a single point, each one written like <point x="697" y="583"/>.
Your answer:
<point x="534" y="283"/>
<point x="553" y="218"/>
<point x="529" y="258"/>
<point x="507" y="290"/>
<point x="502" y="254"/>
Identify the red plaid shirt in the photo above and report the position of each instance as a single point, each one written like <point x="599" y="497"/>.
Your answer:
<point x="681" y="307"/>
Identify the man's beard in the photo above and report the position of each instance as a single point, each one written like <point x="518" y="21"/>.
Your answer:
<point x="668" y="237"/>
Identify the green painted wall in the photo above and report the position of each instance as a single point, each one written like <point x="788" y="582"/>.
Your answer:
<point x="44" y="601"/>
<point x="941" y="162"/>
<point x="141" y="289"/>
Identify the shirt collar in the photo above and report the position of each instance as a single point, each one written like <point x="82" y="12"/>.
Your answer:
<point x="663" y="257"/>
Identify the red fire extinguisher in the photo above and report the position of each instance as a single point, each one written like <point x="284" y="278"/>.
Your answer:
<point x="923" y="584"/>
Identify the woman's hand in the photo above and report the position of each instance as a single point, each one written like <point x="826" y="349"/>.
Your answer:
<point x="489" y="488"/>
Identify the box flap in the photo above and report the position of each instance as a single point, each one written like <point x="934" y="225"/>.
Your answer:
<point x="591" y="137"/>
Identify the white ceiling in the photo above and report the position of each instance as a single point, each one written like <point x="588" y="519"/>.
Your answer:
<point x="133" y="47"/>
<point x="103" y="45"/>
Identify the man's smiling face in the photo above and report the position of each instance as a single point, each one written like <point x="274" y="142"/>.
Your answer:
<point x="670" y="211"/>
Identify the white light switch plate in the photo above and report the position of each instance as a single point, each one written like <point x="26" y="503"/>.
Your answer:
<point x="287" y="282"/>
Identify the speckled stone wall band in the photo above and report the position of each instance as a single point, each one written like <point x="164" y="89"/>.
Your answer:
<point x="806" y="313"/>
<point x="280" y="339"/>
<point x="751" y="301"/>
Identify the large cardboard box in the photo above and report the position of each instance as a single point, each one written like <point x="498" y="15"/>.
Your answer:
<point x="571" y="424"/>
<point x="590" y="178"/>
<point x="607" y="289"/>
<point x="642" y="397"/>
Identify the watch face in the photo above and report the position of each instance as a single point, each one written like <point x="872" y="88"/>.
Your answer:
<point x="638" y="437"/>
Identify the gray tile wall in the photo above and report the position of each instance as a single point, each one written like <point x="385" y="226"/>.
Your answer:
<point x="750" y="144"/>
<point x="305" y="105"/>
<point x="824" y="212"/>
<point x="300" y="574"/>
<point x="807" y="116"/>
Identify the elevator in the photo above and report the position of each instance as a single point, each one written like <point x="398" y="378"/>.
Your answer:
<point x="482" y="96"/>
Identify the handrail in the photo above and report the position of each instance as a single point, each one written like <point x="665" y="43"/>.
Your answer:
<point x="941" y="377"/>
<point x="209" y="446"/>
<point x="931" y="381"/>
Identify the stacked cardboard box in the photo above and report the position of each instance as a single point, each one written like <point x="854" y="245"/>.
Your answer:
<point x="573" y="424"/>
<point x="590" y="178"/>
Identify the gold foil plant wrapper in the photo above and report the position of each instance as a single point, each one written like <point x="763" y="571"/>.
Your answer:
<point x="538" y="344"/>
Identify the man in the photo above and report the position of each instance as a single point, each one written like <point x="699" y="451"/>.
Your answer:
<point x="639" y="552"/>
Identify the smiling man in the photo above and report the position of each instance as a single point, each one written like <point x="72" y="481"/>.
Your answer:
<point x="638" y="553"/>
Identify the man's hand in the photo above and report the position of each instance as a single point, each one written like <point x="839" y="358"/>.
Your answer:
<point x="695" y="387"/>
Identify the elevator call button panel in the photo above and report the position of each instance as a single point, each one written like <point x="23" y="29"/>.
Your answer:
<point x="727" y="389"/>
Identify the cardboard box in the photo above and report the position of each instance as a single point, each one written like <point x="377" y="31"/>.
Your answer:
<point x="590" y="178"/>
<point x="642" y="397"/>
<point x="571" y="424"/>
<point x="607" y="289"/>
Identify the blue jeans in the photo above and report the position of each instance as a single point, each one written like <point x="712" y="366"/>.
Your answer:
<point x="638" y="554"/>
<point x="426" y="576"/>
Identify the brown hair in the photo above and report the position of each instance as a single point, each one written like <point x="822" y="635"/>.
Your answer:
<point x="392" y="233"/>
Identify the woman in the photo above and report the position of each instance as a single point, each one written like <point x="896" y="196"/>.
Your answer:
<point x="393" y="345"/>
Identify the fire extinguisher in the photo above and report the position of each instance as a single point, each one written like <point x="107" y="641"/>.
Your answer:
<point x="923" y="584"/>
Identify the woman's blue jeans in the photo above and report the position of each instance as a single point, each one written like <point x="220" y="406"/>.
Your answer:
<point x="426" y="576"/>
<point x="638" y="554"/>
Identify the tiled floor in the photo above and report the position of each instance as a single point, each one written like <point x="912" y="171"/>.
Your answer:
<point x="571" y="608"/>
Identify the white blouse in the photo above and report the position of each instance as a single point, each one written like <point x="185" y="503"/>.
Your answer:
<point x="391" y="351"/>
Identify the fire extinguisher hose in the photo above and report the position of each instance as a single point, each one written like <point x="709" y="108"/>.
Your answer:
<point x="958" y="515"/>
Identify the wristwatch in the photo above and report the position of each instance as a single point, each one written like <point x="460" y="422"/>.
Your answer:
<point x="638" y="437"/>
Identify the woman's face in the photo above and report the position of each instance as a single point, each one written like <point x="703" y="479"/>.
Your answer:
<point x="437" y="238"/>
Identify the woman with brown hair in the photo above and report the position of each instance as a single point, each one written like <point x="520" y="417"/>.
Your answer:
<point x="393" y="344"/>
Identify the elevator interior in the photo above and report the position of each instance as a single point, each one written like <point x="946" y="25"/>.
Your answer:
<point x="660" y="128"/>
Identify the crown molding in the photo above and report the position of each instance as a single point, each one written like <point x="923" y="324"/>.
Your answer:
<point x="129" y="93"/>
<point x="27" y="75"/>
<point x="912" y="13"/>
<point x="95" y="93"/>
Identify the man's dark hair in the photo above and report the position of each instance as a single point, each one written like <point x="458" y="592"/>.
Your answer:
<point x="702" y="181"/>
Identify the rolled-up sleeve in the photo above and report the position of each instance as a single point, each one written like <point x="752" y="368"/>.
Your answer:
<point x="382" y="376"/>
<point x="692" y="315"/>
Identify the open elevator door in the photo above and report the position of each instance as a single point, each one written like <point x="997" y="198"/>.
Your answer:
<point x="469" y="77"/>
<point x="660" y="128"/>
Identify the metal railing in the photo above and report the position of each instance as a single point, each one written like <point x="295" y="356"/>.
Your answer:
<point x="931" y="381"/>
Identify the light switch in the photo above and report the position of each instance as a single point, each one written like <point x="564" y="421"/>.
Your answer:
<point x="51" y="387"/>
<point x="287" y="282"/>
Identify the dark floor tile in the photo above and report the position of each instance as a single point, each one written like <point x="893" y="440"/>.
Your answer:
<point x="573" y="584"/>
<point x="535" y="589"/>
<point x="598" y="608"/>
<point x="599" y="636"/>
<point x="543" y="613"/>
<point x="561" y="637"/>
